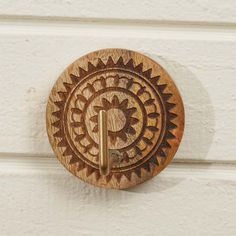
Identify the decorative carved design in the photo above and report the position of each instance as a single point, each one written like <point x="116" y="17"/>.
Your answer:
<point x="145" y="116"/>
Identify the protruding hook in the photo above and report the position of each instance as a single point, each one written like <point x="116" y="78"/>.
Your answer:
<point x="104" y="162"/>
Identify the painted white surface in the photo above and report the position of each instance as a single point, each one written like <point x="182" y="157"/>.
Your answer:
<point x="202" y="63"/>
<point x="41" y="198"/>
<point x="216" y="11"/>
<point x="196" y="43"/>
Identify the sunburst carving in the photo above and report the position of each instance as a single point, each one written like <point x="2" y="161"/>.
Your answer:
<point x="142" y="104"/>
<point x="122" y="112"/>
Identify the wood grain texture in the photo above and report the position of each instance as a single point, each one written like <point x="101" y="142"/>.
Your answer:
<point x="145" y="116"/>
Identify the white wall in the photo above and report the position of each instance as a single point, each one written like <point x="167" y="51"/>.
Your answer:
<point x="196" y="43"/>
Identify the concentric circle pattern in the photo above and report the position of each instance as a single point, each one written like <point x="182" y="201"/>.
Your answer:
<point x="145" y="116"/>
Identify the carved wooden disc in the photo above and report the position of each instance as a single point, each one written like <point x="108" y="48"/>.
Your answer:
<point x="145" y="116"/>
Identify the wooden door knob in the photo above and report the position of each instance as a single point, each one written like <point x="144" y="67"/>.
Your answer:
<point x="144" y="112"/>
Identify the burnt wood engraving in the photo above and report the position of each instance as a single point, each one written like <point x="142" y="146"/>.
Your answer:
<point x="144" y="109"/>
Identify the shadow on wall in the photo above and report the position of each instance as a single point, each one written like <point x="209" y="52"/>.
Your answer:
<point x="198" y="136"/>
<point x="199" y="121"/>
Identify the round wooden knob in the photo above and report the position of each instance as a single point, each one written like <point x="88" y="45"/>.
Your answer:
<point x="145" y="117"/>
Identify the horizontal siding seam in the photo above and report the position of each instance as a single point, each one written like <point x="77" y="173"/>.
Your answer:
<point x="118" y="21"/>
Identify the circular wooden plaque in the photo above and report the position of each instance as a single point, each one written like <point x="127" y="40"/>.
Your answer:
<point x="144" y="109"/>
